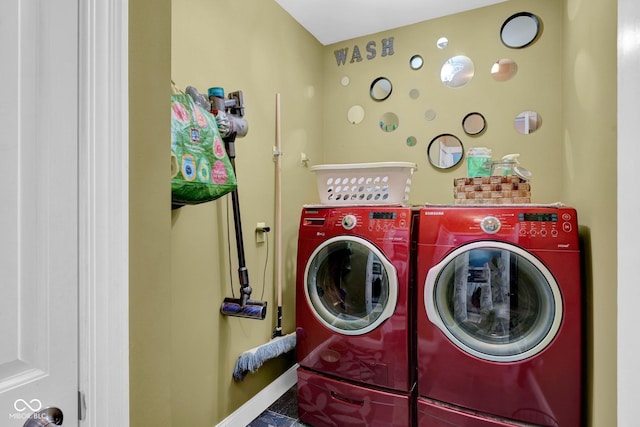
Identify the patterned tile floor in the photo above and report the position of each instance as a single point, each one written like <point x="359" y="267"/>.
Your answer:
<point x="282" y="413"/>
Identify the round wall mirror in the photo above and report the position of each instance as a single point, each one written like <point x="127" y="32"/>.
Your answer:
<point x="412" y="141"/>
<point x="414" y="94"/>
<point x="520" y="30"/>
<point x="457" y="71"/>
<point x="389" y="122"/>
<point x="474" y="124"/>
<point x="380" y="89"/>
<point x="445" y="151"/>
<point x="416" y="62"/>
<point x="528" y="122"/>
<point x="355" y="114"/>
<point x="442" y="42"/>
<point x="430" y="114"/>
<point x="504" y="69"/>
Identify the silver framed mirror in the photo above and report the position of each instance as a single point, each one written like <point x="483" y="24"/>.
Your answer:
<point x="445" y="151"/>
<point x="520" y="30"/>
<point x="474" y="124"/>
<point x="380" y="89"/>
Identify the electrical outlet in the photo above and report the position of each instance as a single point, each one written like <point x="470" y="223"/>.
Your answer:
<point x="260" y="231"/>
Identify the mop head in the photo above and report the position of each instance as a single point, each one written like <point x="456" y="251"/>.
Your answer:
<point x="251" y="360"/>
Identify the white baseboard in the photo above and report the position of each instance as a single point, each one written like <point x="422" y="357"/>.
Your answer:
<point x="261" y="401"/>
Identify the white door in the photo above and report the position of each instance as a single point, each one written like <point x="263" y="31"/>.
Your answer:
<point x="38" y="210"/>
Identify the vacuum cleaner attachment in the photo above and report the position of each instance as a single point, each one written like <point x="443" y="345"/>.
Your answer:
<point x="250" y="310"/>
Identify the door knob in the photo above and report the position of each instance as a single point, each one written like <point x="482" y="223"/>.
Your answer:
<point x="46" y="417"/>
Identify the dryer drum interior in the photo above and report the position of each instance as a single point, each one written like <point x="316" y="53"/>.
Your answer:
<point x="350" y="285"/>
<point x="495" y="301"/>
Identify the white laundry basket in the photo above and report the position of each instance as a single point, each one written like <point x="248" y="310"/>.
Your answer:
<point x="383" y="183"/>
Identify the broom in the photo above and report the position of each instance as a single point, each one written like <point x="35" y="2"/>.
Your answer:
<point x="251" y="360"/>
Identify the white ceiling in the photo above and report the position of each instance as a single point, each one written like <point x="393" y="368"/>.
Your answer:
<point x="332" y="21"/>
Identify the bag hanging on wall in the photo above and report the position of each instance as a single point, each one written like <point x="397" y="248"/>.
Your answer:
<point x="200" y="168"/>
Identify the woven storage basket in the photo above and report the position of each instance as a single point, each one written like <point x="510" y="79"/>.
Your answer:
<point x="383" y="183"/>
<point x="499" y="190"/>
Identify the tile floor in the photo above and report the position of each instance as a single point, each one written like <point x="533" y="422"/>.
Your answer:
<point x="282" y="413"/>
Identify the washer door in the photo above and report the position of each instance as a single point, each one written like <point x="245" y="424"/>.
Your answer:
<point x="350" y="286"/>
<point x="494" y="300"/>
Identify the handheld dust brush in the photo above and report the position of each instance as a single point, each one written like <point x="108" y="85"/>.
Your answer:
<point x="229" y="114"/>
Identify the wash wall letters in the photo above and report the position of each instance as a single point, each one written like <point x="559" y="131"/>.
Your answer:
<point x="370" y="49"/>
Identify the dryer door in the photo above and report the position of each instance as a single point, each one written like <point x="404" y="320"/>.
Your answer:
<point x="350" y="285"/>
<point x="494" y="300"/>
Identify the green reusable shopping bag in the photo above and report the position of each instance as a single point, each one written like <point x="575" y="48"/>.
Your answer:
<point x="200" y="168"/>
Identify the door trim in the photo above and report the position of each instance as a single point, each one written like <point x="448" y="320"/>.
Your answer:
<point x="103" y="212"/>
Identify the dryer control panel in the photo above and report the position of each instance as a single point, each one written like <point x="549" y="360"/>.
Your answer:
<point x="535" y="226"/>
<point x="546" y="224"/>
<point x="377" y="221"/>
<point x="373" y="222"/>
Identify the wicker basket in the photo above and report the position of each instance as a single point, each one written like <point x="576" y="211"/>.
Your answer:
<point x="491" y="190"/>
<point x="384" y="183"/>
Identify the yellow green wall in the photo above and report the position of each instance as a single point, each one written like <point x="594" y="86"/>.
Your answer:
<point x="256" y="47"/>
<point x="589" y="177"/>
<point x="182" y="350"/>
<point x="476" y="34"/>
<point x="149" y="215"/>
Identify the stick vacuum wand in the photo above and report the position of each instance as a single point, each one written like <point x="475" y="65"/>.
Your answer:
<point x="243" y="272"/>
<point x="230" y="126"/>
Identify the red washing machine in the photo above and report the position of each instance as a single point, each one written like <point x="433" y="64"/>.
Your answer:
<point x="355" y="317"/>
<point x="500" y="326"/>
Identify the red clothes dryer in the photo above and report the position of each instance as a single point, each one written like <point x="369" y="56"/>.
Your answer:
<point x="500" y="318"/>
<point x="355" y="313"/>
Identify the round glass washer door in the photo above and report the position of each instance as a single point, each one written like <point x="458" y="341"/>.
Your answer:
<point x="494" y="300"/>
<point x="350" y="285"/>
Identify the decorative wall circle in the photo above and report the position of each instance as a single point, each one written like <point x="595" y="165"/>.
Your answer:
<point x="380" y="89"/>
<point x="445" y="151"/>
<point x="504" y="69"/>
<point x="527" y="122"/>
<point x="520" y="30"/>
<point x="355" y="115"/>
<point x="416" y="62"/>
<point x="457" y="71"/>
<point x="389" y="122"/>
<point x="474" y="124"/>
<point x="430" y="114"/>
